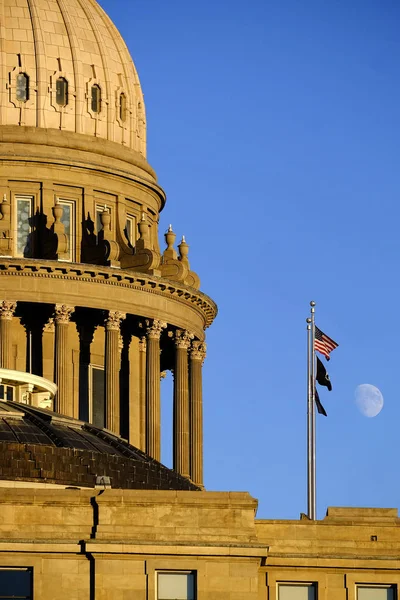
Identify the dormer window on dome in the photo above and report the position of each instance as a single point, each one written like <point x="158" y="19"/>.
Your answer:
<point x="122" y="107"/>
<point x="22" y="87"/>
<point x="62" y="91"/>
<point x="96" y="98"/>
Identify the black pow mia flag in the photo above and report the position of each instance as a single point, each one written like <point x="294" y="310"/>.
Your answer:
<point x="318" y="404"/>
<point x="322" y="375"/>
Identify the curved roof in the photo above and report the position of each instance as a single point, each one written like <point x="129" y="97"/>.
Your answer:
<point x="43" y="447"/>
<point x="75" y="41"/>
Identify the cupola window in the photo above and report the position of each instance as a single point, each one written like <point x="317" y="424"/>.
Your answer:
<point x="22" y="87"/>
<point x="62" y="91"/>
<point x="96" y="98"/>
<point x="122" y="108"/>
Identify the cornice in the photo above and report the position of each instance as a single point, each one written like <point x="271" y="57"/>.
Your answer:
<point x="111" y="277"/>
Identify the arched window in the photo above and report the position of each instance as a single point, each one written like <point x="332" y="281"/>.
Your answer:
<point x="96" y="98"/>
<point x="22" y="87"/>
<point x="122" y="107"/>
<point x="62" y="91"/>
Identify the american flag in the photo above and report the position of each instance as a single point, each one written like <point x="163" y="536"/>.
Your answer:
<point x="323" y="343"/>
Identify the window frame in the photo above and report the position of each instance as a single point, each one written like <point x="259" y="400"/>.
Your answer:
<point x="28" y="570"/>
<point x="131" y="240"/>
<point x="27" y="87"/>
<point x="176" y="572"/>
<point x="95" y="104"/>
<point x="72" y="235"/>
<point x="379" y="586"/>
<point x="15" y="198"/>
<point x="297" y="584"/>
<point x="91" y="368"/>
<point x="65" y="94"/>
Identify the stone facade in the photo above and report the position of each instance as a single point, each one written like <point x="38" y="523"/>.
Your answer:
<point x="90" y="302"/>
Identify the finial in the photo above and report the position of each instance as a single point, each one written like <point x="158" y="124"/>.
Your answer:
<point x="5" y="198"/>
<point x="183" y="240"/>
<point x="312" y="303"/>
<point x="143" y="216"/>
<point x="170" y="230"/>
<point x="308" y="320"/>
<point x="106" y="209"/>
<point x="57" y="201"/>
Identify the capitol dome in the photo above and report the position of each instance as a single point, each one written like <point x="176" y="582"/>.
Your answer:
<point x="68" y="68"/>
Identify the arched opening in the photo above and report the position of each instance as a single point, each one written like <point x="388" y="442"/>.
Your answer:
<point x="22" y="87"/>
<point x="62" y="91"/>
<point x="96" y="98"/>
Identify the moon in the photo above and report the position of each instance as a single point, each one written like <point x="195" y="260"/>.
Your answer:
<point x="369" y="400"/>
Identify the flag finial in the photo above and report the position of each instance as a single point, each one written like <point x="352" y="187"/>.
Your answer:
<point x="312" y="303"/>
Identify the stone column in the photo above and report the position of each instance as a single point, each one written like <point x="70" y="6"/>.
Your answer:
<point x="6" y="314"/>
<point x="112" y="369"/>
<point x="153" y="413"/>
<point x="197" y="357"/>
<point x="181" y="403"/>
<point x="64" y="400"/>
<point x="142" y="392"/>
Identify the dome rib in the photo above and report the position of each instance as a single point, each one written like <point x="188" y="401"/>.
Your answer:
<point x="78" y="75"/>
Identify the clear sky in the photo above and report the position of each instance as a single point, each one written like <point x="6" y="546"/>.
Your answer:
<point x="274" y="128"/>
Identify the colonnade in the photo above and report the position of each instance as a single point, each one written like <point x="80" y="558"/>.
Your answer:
<point x="189" y="355"/>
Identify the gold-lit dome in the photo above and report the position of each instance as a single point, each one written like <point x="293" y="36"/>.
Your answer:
<point x="68" y="68"/>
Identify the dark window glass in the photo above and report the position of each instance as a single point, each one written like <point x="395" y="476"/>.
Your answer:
<point x="96" y="98"/>
<point x="10" y="398"/>
<point x="98" y="398"/>
<point x="122" y="107"/>
<point x="62" y="91"/>
<point x="1" y="392"/>
<point x="16" y="583"/>
<point x="22" y="89"/>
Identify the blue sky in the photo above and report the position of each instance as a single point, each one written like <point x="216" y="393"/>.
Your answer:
<point x="274" y="128"/>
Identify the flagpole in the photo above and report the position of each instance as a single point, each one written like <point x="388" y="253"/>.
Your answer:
<point x="309" y="423"/>
<point x="313" y="512"/>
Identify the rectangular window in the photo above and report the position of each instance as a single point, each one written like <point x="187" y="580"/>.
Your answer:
<point x="130" y="229"/>
<point x="376" y="592"/>
<point x="24" y="217"/>
<point x="6" y="393"/>
<point x="297" y="591"/>
<point x="16" y="583"/>
<point x="68" y="220"/>
<point x="176" y="586"/>
<point x="97" y="407"/>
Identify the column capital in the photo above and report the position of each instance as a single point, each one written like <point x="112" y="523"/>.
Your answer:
<point x="62" y="314"/>
<point x="7" y="309"/>
<point x="198" y="351"/>
<point x="114" y="319"/>
<point x="183" y="339"/>
<point x="154" y="329"/>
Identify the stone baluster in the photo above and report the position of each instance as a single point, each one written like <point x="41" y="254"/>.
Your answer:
<point x="197" y="357"/>
<point x="181" y="403"/>
<point x="64" y="400"/>
<point x="112" y="369"/>
<point x="153" y="412"/>
<point x="7" y="310"/>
